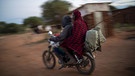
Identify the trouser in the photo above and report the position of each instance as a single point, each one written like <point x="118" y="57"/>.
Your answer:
<point x="70" y="54"/>
<point x="61" y="54"/>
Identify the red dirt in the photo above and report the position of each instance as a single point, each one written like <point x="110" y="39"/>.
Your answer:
<point x="18" y="59"/>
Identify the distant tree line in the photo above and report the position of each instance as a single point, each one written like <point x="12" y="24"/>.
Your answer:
<point x="33" y="21"/>
<point x="52" y="13"/>
<point x="11" y="28"/>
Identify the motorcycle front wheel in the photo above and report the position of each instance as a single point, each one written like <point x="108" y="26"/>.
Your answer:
<point x="49" y="59"/>
<point x="87" y="66"/>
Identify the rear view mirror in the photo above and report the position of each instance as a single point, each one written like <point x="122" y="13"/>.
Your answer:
<point x="50" y="33"/>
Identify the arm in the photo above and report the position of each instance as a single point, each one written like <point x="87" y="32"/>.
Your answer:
<point x="62" y="35"/>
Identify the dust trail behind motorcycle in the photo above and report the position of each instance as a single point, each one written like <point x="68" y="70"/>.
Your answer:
<point x="116" y="59"/>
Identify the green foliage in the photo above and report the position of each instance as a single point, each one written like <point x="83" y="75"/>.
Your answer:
<point x="11" y="28"/>
<point x="125" y="27"/>
<point x="2" y="23"/>
<point x="119" y="25"/>
<point x="53" y="10"/>
<point x="33" y="21"/>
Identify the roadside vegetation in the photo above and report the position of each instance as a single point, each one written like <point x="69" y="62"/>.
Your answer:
<point x="51" y="15"/>
<point x="11" y="28"/>
<point x="125" y="26"/>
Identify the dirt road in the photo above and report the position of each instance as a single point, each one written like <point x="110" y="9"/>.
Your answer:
<point x="18" y="59"/>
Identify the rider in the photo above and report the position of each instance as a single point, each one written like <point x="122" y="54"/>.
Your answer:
<point x="76" y="41"/>
<point x="66" y="32"/>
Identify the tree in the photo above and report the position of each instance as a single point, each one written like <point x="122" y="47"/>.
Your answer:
<point x="52" y="11"/>
<point x="2" y="23"/>
<point x="33" y="21"/>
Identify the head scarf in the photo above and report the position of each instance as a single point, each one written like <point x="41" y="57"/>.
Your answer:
<point x="66" y="21"/>
<point x="77" y="15"/>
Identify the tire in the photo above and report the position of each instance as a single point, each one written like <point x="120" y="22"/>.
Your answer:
<point x="87" y="62"/>
<point x="49" y="59"/>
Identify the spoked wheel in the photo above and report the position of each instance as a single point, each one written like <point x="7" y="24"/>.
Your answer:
<point x="87" y="66"/>
<point x="49" y="59"/>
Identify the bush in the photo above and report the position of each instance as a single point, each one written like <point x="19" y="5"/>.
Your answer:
<point x="125" y="27"/>
<point x="11" y="28"/>
<point x="119" y="25"/>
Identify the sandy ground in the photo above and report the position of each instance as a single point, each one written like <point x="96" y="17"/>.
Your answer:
<point x="18" y="58"/>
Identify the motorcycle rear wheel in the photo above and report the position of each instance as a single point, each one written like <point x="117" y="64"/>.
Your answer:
<point x="87" y="66"/>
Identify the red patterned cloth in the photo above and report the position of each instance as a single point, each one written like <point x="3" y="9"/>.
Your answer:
<point x="76" y="40"/>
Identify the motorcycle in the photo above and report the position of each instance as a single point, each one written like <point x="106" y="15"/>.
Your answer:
<point x="86" y="66"/>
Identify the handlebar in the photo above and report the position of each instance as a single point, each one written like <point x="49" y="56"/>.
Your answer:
<point x="52" y="43"/>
